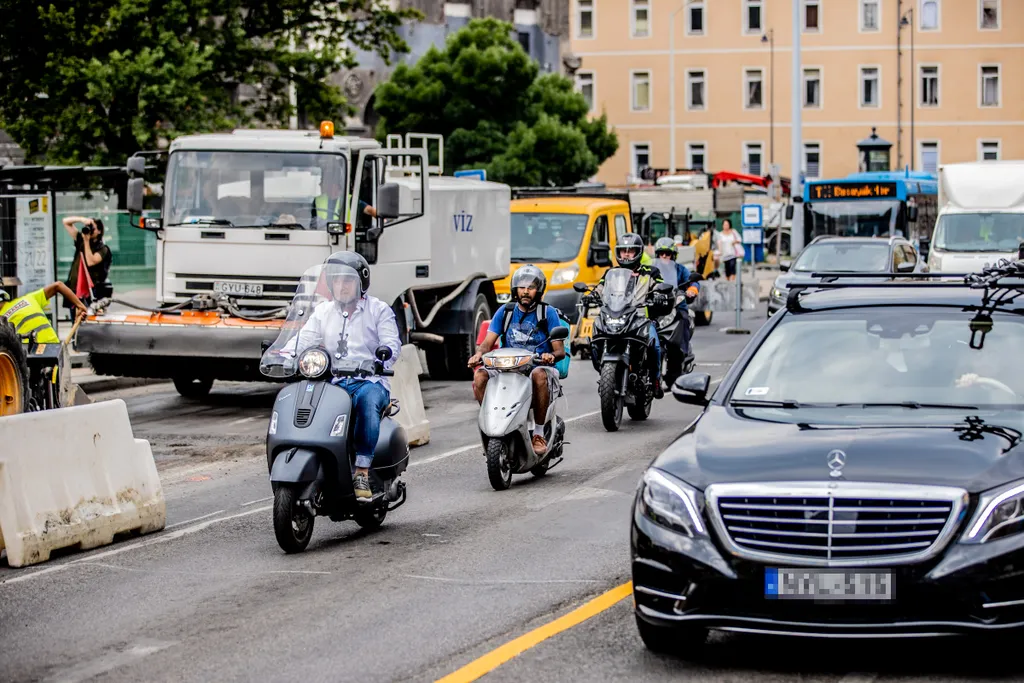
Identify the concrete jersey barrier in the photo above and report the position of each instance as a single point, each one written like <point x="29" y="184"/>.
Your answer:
<point x="74" y="477"/>
<point x="405" y="388"/>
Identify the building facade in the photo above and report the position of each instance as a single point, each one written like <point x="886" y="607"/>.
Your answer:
<point x="943" y="80"/>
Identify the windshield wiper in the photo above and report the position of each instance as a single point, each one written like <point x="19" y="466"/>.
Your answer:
<point x="907" y="404"/>
<point x="754" y="403"/>
<point x="531" y="259"/>
<point x="204" y="221"/>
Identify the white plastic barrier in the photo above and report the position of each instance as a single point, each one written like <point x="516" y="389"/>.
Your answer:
<point x="74" y="477"/>
<point x="405" y="388"/>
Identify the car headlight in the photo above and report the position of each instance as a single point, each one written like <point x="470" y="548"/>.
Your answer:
<point x="670" y="503"/>
<point x="506" y="362"/>
<point x="778" y="293"/>
<point x="313" y="363"/>
<point x="566" y="275"/>
<point x="1000" y="514"/>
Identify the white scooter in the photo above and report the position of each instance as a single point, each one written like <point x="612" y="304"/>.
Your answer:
<point x="506" y="417"/>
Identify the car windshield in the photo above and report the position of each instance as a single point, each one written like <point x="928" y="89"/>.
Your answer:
<point x="891" y="355"/>
<point x="855" y="257"/>
<point x="979" y="232"/>
<point x="547" y="237"/>
<point x="863" y="218"/>
<point x="253" y="189"/>
<point x="623" y="289"/>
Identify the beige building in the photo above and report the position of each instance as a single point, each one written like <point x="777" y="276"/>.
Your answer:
<point x="966" y="71"/>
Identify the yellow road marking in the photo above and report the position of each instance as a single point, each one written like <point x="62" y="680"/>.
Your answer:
<point x="495" y="658"/>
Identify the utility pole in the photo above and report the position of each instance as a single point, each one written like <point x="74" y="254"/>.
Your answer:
<point x="795" y="185"/>
<point x="899" y="87"/>
<point x="672" y="88"/>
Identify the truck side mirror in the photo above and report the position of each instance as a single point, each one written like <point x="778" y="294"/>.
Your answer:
<point x="134" y="195"/>
<point x="600" y="254"/>
<point x="912" y="214"/>
<point x="789" y="212"/>
<point x="388" y="196"/>
<point x="136" y="166"/>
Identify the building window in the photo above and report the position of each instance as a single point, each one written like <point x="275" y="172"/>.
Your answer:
<point x="870" y="94"/>
<point x="988" y="150"/>
<point x="752" y="16"/>
<point x="929" y="15"/>
<point x="752" y="158"/>
<point x="989" y="14"/>
<point x="869" y="15"/>
<point x="641" y="158"/>
<point x="812" y="88"/>
<point x="990" y="86"/>
<point x="812" y="20"/>
<point x="695" y="156"/>
<point x="585" y="18"/>
<point x="929" y="156"/>
<point x="695" y="18"/>
<point x="695" y="86"/>
<point x="753" y="87"/>
<point x="641" y="90"/>
<point x="929" y="86"/>
<point x="812" y="160"/>
<point x="641" y="19"/>
<point x="585" y="84"/>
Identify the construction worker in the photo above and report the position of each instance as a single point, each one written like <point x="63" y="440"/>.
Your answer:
<point x="329" y="205"/>
<point x="27" y="313"/>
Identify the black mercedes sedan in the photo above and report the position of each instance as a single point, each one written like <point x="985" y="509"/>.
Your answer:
<point x="858" y="472"/>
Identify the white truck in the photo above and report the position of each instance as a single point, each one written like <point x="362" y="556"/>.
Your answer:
<point x="246" y="213"/>
<point x="981" y="215"/>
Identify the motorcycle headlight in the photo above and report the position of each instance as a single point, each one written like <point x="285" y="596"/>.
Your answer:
<point x="566" y="275"/>
<point x="1000" y="514"/>
<point x="506" y="362"/>
<point x="670" y="503"/>
<point x="313" y="363"/>
<point x="615" y="322"/>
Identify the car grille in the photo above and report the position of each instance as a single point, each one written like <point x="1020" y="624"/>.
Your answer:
<point x="838" y="527"/>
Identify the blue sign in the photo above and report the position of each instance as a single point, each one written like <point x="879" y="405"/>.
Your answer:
<point x="751" y="216"/>
<point x="479" y="174"/>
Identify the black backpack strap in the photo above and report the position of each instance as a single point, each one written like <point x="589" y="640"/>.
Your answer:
<point x="505" y="322"/>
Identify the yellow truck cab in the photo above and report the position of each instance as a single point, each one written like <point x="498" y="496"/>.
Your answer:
<point x="569" y="234"/>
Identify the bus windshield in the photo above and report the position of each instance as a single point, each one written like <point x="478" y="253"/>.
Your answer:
<point x="979" y="232"/>
<point x="547" y="237"/>
<point x="866" y="218"/>
<point x="234" y="189"/>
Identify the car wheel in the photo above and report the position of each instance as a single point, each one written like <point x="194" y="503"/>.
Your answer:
<point x="680" y="641"/>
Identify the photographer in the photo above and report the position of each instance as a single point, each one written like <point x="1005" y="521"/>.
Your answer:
<point x="98" y="258"/>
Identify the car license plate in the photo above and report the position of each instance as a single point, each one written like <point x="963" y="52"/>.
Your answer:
<point x="238" y="288"/>
<point x="816" y="584"/>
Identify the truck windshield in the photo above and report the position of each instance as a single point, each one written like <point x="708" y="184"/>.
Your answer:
<point x="547" y="237"/>
<point x="255" y="189"/>
<point x="979" y="232"/>
<point x="866" y="218"/>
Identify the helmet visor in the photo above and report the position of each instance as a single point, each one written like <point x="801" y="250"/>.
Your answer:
<point x="527" y="279"/>
<point x="343" y="283"/>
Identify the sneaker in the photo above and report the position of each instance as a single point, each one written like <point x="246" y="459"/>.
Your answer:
<point x="362" y="487"/>
<point x="540" y="446"/>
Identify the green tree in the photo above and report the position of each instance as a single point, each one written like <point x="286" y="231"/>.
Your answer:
<point x="92" y="81"/>
<point x="484" y="94"/>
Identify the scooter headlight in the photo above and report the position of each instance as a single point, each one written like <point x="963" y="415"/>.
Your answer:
<point x="506" y="362"/>
<point x="313" y="363"/>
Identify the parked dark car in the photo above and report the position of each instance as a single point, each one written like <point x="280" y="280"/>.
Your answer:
<point x="835" y="253"/>
<point x="858" y="472"/>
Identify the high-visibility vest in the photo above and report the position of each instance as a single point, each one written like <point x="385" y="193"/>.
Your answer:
<point x="321" y="206"/>
<point x="27" y="315"/>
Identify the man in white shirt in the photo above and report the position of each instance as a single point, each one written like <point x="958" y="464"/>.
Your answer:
<point x="351" y="325"/>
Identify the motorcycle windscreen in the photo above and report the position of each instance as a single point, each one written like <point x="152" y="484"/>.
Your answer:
<point x="623" y="290"/>
<point x="321" y="286"/>
<point x="668" y="271"/>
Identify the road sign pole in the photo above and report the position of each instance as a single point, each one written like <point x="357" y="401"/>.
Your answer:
<point x="752" y="220"/>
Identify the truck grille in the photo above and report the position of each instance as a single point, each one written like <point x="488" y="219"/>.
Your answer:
<point x="883" y="525"/>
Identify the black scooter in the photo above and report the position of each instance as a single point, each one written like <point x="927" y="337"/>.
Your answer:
<point x="311" y="457"/>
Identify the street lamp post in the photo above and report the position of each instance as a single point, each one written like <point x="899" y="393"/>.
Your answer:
<point x="770" y="39"/>
<point x="904" y="21"/>
<point x="672" y="88"/>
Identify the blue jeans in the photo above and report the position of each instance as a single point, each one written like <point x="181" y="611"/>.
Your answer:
<point x="368" y="402"/>
<point x="657" y="347"/>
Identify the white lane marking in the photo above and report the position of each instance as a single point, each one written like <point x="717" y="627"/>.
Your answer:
<point x="118" y="567"/>
<point x="163" y="538"/>
<point x="189" y="521"/>
<point x="242" y="420"/>
<point x="498" y="582"/>
<point x="110" y="661"/>
<point x="253" y="502"/>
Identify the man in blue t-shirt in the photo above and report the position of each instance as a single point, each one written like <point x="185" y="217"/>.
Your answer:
<point x="526" y="331"/>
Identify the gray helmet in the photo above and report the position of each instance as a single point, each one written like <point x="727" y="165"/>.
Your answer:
<point x="666" y="245"/>
<point x="340" y="261"/>
<point x="529" y="275"/>
<point x="632" y="241"/>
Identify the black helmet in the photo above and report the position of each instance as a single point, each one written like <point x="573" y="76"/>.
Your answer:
<point x="630" y="241"/>
<point x="527" y="276"/>
<point x="666" y="245"/>
<point x="342" y="262"/>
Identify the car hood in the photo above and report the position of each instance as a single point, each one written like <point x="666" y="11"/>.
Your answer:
<point x="723" y="446"/>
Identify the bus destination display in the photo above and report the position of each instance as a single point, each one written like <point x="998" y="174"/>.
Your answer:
<point x="853" y="191"/>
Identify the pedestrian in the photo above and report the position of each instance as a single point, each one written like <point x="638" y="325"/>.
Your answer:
<point x="729" y="249"/>
<point x="88" y="277"/>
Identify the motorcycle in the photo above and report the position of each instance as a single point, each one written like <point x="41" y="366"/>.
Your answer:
<point x="506" y="418"/>
<point x="310" y="439"/>
<point x="622" y="348"/>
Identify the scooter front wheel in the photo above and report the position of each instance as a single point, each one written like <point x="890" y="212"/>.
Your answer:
<point x="611" y="400"/>
<point x="293" y="524"/>
<point x="499" y="463"/>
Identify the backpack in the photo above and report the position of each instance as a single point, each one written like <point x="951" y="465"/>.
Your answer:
<point x="542" y="315"/>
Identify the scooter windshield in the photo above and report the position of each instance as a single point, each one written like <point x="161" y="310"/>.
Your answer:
<point x="622" y="289"/>
<point x="320" y="286"/>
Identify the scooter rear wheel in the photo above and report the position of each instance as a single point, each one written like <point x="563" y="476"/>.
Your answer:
<point x="372" y="518"/>
<point x="293" y="525"/>
<point x="499" y="464"/>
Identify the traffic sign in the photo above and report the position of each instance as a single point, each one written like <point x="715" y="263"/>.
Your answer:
<point x="751" y="215"/>
<point x="478" y="173"/>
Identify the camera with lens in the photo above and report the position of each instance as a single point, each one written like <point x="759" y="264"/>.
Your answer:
<point x="88" y="230"/>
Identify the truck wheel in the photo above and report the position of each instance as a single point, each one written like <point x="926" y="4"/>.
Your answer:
<point x="13" y="372"/>
<point x="702" y="318"/>
<point x="437" y="362"/>
<point x="190" y="387"/>
<point x="461" y="347"/>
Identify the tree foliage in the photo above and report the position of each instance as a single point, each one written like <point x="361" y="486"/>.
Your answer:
<point x="92" y="81"/>
<point x="483" y="93"/>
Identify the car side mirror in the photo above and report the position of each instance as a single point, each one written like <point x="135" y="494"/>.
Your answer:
<point x="388" y="204"/>
<point x="692" y="388"/>
<point x="580" y="287"/>
<point x="905" y="267"/>
<point x="784" y="266"/>
<point x="135" y="192"/>
<point x="383" y="353"/>
<point x="600" y="254"/>
<point x="559" y="333"/>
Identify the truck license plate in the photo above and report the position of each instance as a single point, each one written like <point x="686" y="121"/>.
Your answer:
<point x="238" y="288"/>
<point x="814" y="584"/>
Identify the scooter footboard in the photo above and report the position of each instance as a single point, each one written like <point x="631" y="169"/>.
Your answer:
<point x="296" y="466"/>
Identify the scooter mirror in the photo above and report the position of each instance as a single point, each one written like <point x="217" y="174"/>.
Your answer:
<point x="383" y="353"/>
<point x="580" y="287"/>
<point x="559" y="333"/>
